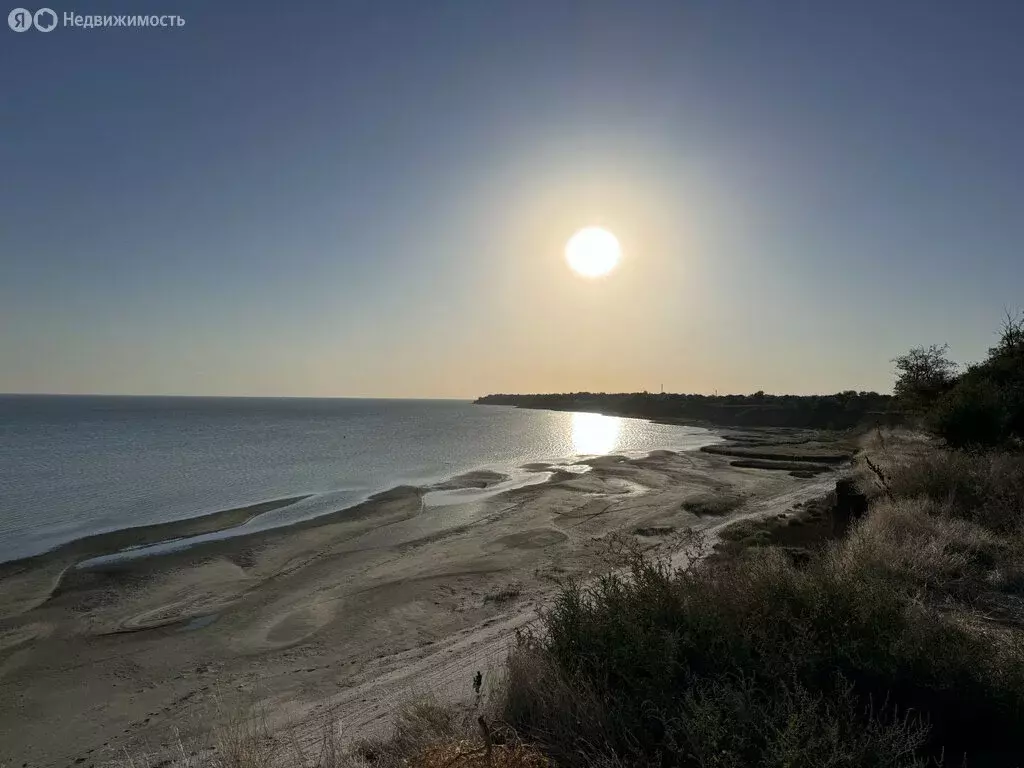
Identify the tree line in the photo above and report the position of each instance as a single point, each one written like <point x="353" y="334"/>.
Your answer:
<point x="837" y="411"/>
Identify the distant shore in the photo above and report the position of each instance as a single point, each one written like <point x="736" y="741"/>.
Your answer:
<point x="842" y="410"/>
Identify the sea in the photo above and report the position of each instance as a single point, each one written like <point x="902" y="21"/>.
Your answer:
<point x="72" y="466"/>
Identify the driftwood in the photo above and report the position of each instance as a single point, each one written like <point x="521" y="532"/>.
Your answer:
<point x="880" y="476"/>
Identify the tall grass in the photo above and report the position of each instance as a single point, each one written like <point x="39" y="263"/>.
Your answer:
<point x="985" y="488"/>
<point x="920" y="548"/>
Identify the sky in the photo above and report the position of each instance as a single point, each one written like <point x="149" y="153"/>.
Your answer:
<point x="372" y="198"/>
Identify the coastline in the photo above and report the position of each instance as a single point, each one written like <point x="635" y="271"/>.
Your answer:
<point x="294" y="505"/>
<point x="131" y="537"/>
<point x="348" y="612"/>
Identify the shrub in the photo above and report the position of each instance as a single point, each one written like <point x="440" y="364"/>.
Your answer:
<point x="973" y="413"/>
<point x="984" y="406"/>
<point x="757" y="663"/>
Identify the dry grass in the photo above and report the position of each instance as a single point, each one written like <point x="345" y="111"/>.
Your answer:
<point x="420" y="726"/>
<point x="917" y="544"/>
<point x="986" y="488"/>
<point x="324" y="751"/>
<point x="244" y="739"/>
<point x="463" y="753"/>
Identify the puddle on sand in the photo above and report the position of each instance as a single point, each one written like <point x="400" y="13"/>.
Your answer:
<point x="199" y="622"/>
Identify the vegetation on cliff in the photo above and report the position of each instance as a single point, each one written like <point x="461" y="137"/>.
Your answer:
<point x="839" y="411"/>
<point x="900" y="644"/>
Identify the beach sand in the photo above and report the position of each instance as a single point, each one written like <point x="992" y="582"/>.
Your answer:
<point x="345" y="616"/>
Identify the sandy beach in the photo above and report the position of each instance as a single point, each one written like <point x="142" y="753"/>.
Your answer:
<point x="349" y="614"/>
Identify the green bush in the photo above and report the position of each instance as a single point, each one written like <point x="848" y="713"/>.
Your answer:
<point x="985" y="406"/>
<point x="756" y="663"/>
<point x="973" y="413"/>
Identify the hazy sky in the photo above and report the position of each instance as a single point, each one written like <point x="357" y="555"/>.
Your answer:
<point x="372" y="198"/>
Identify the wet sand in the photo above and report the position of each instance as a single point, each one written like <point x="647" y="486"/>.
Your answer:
<point x="347" y="614"/>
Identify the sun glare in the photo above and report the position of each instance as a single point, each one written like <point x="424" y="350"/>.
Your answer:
<point x="593" y="252"/>
<point x="594" y="433"/>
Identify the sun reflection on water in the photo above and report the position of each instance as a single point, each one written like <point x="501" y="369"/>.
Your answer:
<point x="593" y="433"/>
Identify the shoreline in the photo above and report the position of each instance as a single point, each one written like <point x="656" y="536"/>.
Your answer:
<point x="167" y="537"/>
<point x="347" y="613"/>
<point x="114" y="540"/>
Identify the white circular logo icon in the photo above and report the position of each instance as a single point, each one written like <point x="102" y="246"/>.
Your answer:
<point x="45" y="20"/>
<point x="20" y="20"/>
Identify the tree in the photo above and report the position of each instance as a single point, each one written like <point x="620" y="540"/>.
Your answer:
<point x="974" y="413"/>
<point x="1011" y="337"/>
<point x="923" y="375"/>
<point x="986" y="406"/>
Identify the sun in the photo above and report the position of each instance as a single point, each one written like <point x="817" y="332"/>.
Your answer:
<point x="593" y="252"/>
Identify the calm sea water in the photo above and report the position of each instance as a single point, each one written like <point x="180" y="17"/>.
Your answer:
<point x="73" y="466"/>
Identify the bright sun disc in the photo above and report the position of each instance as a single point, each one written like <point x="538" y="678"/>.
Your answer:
<point x="593" y="252"/>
